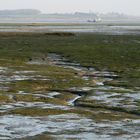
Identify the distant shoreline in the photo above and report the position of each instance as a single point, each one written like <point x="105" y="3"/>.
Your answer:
<point x="98" y="28"/>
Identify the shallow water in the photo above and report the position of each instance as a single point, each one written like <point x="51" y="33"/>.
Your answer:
<point x="103" y="123"/>
<point x="84" y="27"/>
<point x="67" y="127"/>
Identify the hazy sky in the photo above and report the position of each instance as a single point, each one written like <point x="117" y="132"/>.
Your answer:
<point x="131" y="7"/>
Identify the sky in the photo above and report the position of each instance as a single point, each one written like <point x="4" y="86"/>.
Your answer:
<point x="129" y="7"/>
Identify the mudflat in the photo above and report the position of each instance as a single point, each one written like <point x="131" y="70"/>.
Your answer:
<point x="69" y="85"/>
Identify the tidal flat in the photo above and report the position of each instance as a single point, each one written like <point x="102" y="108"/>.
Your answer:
<point x="69" y="85"/>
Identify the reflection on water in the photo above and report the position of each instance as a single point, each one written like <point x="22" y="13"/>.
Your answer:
<point x="71" y="27"/>
<point x="68" y="126"/>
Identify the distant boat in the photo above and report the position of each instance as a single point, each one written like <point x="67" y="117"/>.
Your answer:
<point x="95" y="20"/>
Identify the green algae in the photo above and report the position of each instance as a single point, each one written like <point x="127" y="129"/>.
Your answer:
<point x="38" y="111"/>
<point x="43" y="136"/>
<point x="4" y="98"/>
<point x="118" y="55"/>
<point x="33" y="98"/>
<point x="97" y="104"/>
<point x="96" y="114"/>
<point x="66" y="96"/>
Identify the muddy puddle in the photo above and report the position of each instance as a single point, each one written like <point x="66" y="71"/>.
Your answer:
<point x="94" y="111"/>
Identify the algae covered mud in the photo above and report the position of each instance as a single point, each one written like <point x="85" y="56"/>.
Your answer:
<point x="62" y="85"/>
